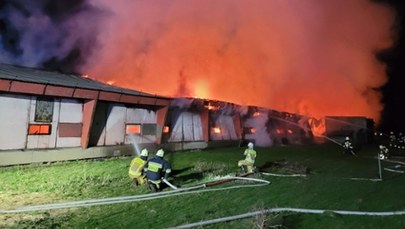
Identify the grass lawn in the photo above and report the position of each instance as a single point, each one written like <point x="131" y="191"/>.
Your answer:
<point x="326" y="186"/>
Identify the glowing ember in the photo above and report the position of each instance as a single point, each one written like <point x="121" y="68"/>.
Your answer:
<point x="279" y="131"/>
<point x="110" y="82"/>
<point x="290" y="131"/>
<point x="256" y="114"/>
<point x="252" y="130"/>
<point x="217" y="130"/>
<point x="211" y="106"/>
<point x="166" y="129"/>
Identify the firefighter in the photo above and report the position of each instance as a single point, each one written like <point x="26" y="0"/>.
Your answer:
<point x="247" y="165"/>
<point x="156" y="170"/>
<point x="393" y="139"/>
<point x="347" y="146"/>
<point x="136" y="168"/>
<point x="383" y="152"/>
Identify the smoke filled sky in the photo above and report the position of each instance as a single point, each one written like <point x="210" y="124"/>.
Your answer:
<point x="313" y="57"/>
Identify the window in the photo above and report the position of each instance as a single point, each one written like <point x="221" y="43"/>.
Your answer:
<point x="43" y="110"/>
<point x="144" y="129"/>
<point x="133" y="129"/>
<point x="166" y="129"/>
<point x="39" y="129"/>
<point x="148" y="129"/>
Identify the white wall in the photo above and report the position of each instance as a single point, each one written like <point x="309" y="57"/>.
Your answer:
<point x="115" y="126"/>
<point x="225" y="123"/>
<point x="187" y="127"/>
<point x="14" y="111"/>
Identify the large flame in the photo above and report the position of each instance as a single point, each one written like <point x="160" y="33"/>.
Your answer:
<point x="313" y="57"/>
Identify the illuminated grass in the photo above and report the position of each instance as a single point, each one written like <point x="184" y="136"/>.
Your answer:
<point x="327" y="186"/>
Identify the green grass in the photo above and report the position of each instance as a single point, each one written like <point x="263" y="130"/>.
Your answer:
<point x="327" y="186"/>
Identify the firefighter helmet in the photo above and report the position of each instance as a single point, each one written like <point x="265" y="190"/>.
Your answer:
<point x="144" y="153"/>
<point x="160" y="153"/>
<point x="347" y="138"/>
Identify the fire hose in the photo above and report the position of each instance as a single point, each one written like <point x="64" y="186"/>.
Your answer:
<point x="279" y="210"/>
<point x="150" y="196"/>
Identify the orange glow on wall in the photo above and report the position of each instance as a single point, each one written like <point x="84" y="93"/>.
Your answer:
<point x="133" y="129"/>
<point x="39" y="129"/>
<point x="252" y="130"/>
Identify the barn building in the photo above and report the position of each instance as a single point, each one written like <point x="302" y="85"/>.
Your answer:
<point x="48" y="116"/>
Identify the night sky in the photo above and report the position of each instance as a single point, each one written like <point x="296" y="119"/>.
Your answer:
<point x="393" y="116"/>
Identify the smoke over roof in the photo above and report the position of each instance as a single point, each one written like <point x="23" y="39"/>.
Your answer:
<point x="313" y="57"/>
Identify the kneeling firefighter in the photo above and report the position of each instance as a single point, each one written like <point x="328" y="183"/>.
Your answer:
<point x="157" y="169"/>
<point x="136" y="168"/>
<point x="247" y="165"/>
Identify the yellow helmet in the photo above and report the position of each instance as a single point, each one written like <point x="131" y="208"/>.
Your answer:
<point x="160" y="153"/>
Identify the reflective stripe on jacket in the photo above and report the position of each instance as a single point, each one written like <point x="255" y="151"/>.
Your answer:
<point x="157" y="168"/>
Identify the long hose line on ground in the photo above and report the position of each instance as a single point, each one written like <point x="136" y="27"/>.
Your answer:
<point x="280" y="210"/>
<point x="150" y="196"/>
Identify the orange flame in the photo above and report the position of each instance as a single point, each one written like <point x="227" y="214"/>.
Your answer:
<point x="217" y="130"/>
<point x="240" y="54"/>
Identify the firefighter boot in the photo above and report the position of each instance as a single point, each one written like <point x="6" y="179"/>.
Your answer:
<point x="242" y="169"/>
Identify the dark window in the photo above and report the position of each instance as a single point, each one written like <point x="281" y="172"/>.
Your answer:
<point x="149" y="129"/>
<point x="43" y="110"/>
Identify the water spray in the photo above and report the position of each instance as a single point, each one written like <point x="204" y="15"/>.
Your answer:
<point x="134" y="144"/>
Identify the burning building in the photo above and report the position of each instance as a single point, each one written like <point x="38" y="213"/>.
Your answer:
<point x="49" y="116"/>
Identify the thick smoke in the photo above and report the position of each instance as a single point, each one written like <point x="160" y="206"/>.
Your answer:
<point x="313" y="57"/>
<point x="45" y="33"/>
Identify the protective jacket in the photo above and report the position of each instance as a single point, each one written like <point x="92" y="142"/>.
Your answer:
<point x="136" y="167"/>
<point x="157" y="168"/>
<point x="250" y="155"/>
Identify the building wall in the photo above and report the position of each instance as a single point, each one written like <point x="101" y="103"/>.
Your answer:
<point x="226" y="126"/>
<point x="186" y="126"/>
<point x="14" y="112"/>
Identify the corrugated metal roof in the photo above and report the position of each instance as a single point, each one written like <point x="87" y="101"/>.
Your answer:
<point x="33" y="75"/>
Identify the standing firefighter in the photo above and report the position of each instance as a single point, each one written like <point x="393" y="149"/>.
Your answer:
<point x="136" y="168"/>
<point x="348" y="147"/>
<point x="383" y="152"/>
<point x="247" y="165"/>
<point x="157" y="169"/>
